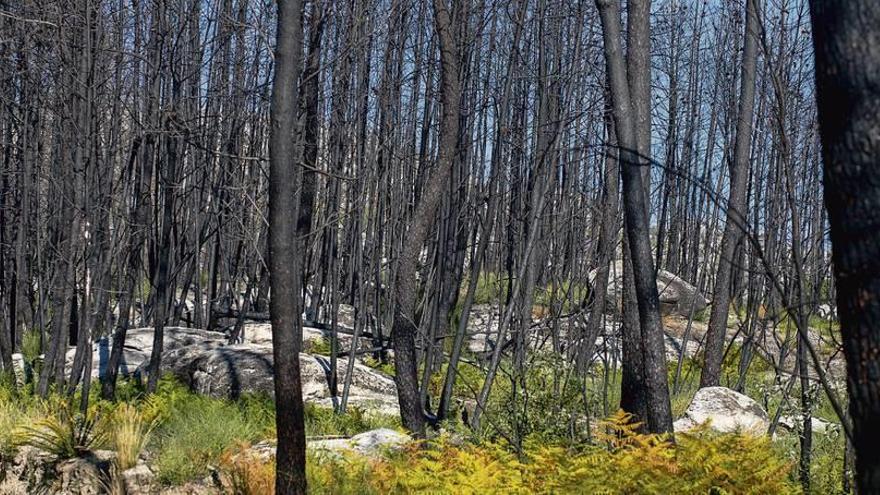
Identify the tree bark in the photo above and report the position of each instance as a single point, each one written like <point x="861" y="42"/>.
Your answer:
<point x="285" y="263"/>
<point x="404" y="329"/>
<point x="846" y="39"/>
<point x="659" y="414"/>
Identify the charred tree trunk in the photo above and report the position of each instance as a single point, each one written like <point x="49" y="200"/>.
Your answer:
<point x="845" y="38"/>
<point x="659" y="414"/>
<point x="285" y="262"/>
<point x="404" y="329"/>
<point x="736" y="204"/>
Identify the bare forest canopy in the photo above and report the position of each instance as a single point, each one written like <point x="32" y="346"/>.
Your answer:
<point x="428" y="163"/>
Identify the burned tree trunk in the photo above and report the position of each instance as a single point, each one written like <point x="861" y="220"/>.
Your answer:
<point x="659" y="414"/>
<point x="285" y="263"/>
<point x="847" y="51"/>
<point x="404" y="329"/>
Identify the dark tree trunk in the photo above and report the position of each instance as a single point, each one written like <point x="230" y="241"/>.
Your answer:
<point x="404" y="329"/>
<point x="736" y="204"/>
<point x="659" y="414"/>
<point x="847" y="51"/>
<point x="285" y="262"/>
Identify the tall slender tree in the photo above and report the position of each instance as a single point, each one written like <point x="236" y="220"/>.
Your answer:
<point x="405" y="329"/>
<point x="285" y="262"/>
<point x="658" y="409"/>
<point x="736" y="203"/>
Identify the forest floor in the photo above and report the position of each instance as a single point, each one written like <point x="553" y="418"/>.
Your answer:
<point x="546" y="432"/>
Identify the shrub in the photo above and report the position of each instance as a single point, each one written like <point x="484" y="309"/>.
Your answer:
<point x="248" y="474"/>
<point x="30" y="345"/>
<point x="317" y="346"/>
<point x="31" y="348"/>
<point x="346" y="475"/>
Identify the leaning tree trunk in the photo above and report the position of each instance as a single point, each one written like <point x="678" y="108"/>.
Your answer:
<point x="285" y="263"/>
<point x="404" y="329"/>
<point x="846" y="38"/>
<point x="736" y="204"/>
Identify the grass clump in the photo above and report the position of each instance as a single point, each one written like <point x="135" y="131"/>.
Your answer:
<point x="130" y="432"/>
<point x="248" y="474"/>
<point x="322" y="421"/>
<point x="16" y="412"/>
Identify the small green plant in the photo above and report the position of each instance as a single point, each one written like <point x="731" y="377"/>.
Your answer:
<point x="387" y="368"/>
<point x="702" y="315"/>
<point x="31" y="345"/>
<point x="66" y="434"/>
<point x="317" y="346"/>
<point x="31" y="348"/>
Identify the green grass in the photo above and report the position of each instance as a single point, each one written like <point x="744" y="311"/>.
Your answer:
<point x="16" y="411"/>
<point x="197" y="430"/>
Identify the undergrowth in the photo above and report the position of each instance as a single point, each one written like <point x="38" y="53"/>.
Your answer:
<point x="621" y="461"/>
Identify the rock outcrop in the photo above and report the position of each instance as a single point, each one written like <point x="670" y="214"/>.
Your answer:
<point x="676" y="295"/>
<point x="818" y="425"/>
<point x="725" y="410"/>
<point x="368" y="443"/>
<point x="35" y="471"/>
<point x="139" y="346"/>
<point x="232" y="370"/>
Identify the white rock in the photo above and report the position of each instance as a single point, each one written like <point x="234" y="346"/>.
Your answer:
<point x="818" y="425"/>
<point x="676" y="295"/>
<point x="368" y="443"/>
<point x="726" y="410"/>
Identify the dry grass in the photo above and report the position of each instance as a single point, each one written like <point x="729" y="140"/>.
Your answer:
<point x="130" y="433"/>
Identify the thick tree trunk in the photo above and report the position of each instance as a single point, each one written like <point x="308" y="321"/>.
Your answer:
<point x="846" y="38"/>
<point x="285" y="263"/>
